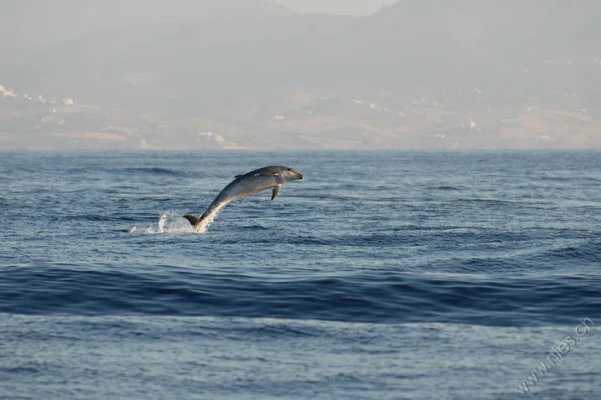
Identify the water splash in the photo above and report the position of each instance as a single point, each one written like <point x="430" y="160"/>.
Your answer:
<point x="169" y="222"/>
<point x="208" y="221"/>
<point x="172" y="222"/>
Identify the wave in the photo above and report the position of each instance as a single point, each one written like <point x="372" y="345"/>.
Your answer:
<point x="447" y="188"/>
<point x="155" y="171"/>
<point x="537" y="202"/>
<point x="378" y="298"/>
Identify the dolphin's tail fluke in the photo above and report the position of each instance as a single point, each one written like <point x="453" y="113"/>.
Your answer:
<point x="194" y="220"/>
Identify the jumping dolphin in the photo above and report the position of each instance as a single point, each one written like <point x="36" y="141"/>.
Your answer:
<point x="243" y="186"/>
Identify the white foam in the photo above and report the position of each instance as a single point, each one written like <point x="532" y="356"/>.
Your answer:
<point x="208" y="221"/>
<point x="172" y="222"/>
<point x="169" y="222"/>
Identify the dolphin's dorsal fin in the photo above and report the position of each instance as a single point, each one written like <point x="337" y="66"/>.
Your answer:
<point x="276" y="191"/>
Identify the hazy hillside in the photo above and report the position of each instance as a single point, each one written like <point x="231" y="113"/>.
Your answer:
<point x="33" y="22"/>
<point x="424" y="74"/>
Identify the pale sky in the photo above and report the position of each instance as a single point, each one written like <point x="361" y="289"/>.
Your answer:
<point x="347" y="7"/>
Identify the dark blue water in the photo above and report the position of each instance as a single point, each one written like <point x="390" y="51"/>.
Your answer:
<point x="383" y="275"/>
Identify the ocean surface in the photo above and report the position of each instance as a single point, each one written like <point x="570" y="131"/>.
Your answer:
<point x="382" y="275"/>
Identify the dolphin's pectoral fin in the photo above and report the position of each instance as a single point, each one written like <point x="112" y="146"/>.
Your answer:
<point x="276" y="191"/>
<point x="194" y="220"/>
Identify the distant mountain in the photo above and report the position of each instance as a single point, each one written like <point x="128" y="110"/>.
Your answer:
<point x="181" y="66"/>
<point x="481" y="72"/>
<point x="26" y="23"/>
<point x="450" y="41"/>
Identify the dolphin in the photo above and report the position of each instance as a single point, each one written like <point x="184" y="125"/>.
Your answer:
<point x="244" y="186"/>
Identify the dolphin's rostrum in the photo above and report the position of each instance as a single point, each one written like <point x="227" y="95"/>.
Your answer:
<point x="243" y="186"/>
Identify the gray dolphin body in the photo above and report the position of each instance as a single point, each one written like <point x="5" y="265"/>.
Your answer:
<point x="247" y="185"/>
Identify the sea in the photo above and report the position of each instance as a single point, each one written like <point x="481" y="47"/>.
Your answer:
<point x="382" y="275"/>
